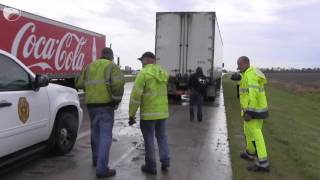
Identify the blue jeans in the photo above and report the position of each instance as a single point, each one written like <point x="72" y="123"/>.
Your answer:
<point x="102" y="119"/>
<point x="157" y="128"/>
<point x="196" y="99"/>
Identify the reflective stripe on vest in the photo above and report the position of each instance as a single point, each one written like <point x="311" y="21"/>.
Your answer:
<point x="155" y="114"/>
<point x="91" y="82"/>
<point x="117" y="78"/>
<point x="135" y="102"/>
<point x="154" y="94"/>
<point x="261" y="89"/>
<point x="244" y="90"/>
<point x="256" y="110"/>
<point x="116" y="97"/>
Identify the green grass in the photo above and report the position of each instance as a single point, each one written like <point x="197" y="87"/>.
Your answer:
<point x="292" y="134"/>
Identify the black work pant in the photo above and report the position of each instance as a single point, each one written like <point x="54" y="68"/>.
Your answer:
<point x="196" y="99"/>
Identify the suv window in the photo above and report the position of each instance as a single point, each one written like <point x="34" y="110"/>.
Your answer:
<point x="12" y="76"/>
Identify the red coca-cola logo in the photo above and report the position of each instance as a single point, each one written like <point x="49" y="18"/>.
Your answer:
<point x="66" y="51"/>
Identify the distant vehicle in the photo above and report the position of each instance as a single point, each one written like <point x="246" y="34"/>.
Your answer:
<point x="35" y="114"/>
<point x="46" y="46"/>
<point x="185" y="41"/>
<point x="135" y="72"/>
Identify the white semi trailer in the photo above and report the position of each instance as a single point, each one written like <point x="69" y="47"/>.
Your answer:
<point x="185" y="41"/>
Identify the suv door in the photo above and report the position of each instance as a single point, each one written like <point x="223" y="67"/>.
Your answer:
<point x="24" y="113"/>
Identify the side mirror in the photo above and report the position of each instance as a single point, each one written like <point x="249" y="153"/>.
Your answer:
<point x="40" y="81"/>
<point x="223" y="65"/>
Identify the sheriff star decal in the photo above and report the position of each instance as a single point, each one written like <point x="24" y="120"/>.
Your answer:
<point x="23" y="109"/>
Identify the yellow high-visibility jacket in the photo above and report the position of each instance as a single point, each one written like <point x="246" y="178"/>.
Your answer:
<point x="102" y="81"/>
<point x="150" y="93"/>
<point x="252" y="94"/>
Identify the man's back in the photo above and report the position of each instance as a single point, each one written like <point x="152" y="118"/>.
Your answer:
<point x="151" y="86"/>
<point x="198" y="83"/>
<point x="96" y="90"/>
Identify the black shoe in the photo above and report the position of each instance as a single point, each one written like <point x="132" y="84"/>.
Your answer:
<point x="165" y="168"/>
<point x="255" y="168"/>
<point x="148" y="171"/>
<point x="191" y="115"/>
<point x="199" y="117"/>
<point x="246" y="156"/>
<point x="111" y="172"/>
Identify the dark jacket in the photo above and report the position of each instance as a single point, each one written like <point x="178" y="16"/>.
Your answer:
<point x="197" y="82"/>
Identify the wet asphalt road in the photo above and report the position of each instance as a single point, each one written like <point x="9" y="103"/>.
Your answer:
<point x="198" y="151"/>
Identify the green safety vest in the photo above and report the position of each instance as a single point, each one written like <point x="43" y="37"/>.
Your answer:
<point x="252" y="93"/>
<point x="102" y="81"/>
<point x="150" y="93"/>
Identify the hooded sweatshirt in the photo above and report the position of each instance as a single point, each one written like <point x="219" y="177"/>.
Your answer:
<point x="198" y="83"/>
<point x="150" y="93"/>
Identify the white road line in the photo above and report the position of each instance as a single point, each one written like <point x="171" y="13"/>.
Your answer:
<point x="123" y="157"/>
<point x="83" y="134"/>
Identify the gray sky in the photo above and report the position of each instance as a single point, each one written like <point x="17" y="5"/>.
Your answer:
<point x="272" y="33"/>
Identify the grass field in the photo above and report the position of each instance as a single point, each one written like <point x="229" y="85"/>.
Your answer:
<point x="297" y="82"/>
<point x="292" y="134"/>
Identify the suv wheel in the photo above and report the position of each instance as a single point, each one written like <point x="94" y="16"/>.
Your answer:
<point x="65" y="132"/>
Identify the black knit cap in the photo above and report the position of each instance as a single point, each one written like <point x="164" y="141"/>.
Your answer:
<point x="147" y="55"/>
<point x="107" y="53"/>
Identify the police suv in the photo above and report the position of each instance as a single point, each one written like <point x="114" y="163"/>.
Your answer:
<point x="33" y="112"/>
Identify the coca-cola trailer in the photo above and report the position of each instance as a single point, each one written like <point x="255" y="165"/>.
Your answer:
<point x="47" y="46"/>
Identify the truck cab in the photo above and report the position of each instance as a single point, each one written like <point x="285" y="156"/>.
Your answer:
<point x="34" y="111"/>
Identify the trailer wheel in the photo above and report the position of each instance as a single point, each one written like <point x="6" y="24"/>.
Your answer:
<point x="65" y="132"/>
<point x="211" y="98"/>
<point x="219" y="84"/>
<point x="174" y="97"/>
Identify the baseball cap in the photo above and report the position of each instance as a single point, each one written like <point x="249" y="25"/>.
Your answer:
<point x="147" y="55"/>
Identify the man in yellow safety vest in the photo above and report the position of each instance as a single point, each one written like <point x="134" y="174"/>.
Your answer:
<point x="150" y="94"/>
<point x="103" y="83"/>
<point x="254" y="109"/>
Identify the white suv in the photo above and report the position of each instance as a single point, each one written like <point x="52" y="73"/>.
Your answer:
<point x="34" y="111"/>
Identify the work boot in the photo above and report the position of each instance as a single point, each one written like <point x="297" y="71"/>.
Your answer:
<point x="255" y="168"/>
<point x="245" y="155"/>
<point x="164" y="168"/>
<point x="147" y="170"/>
<point x="191" y="115"/>
<point x="199" y="117"/>
<point x="111" y="172"/>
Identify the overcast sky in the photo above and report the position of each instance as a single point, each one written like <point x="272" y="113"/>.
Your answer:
<point x="272" y="33"/>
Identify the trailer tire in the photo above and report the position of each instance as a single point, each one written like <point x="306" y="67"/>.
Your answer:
<point x="219" y="84"/>
<point x="174" y="97"/>
<point x="211" y="98"/>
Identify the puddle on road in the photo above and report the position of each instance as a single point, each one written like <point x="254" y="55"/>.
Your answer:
<point x="137" y="158"/>
<point x="50" y="165"/>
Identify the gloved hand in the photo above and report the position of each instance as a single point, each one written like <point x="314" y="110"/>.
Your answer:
<point x="247" y="117"/>
<point x="116" y="104"/>
<point x="131" y="120"/>
<point x="235" y="77"/>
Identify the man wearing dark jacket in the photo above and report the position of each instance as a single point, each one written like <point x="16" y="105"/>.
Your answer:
<point x="197" y="84"/>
